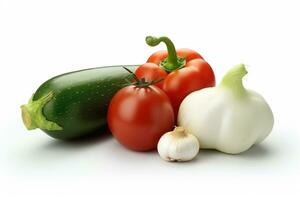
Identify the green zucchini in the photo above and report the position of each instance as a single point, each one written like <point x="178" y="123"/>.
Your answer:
<point x="74" y="104"/>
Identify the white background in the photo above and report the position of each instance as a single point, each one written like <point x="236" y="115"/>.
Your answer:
<point x="40" y="39"/>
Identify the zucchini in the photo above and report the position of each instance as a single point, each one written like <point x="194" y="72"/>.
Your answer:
<point x="74" y="104"/>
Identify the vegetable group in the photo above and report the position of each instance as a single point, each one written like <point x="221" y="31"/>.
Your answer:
<point x="173" y="86"/>
<point x="183" y="70"/>
<point x="229" y="117"/>
<point x="74" y="104"/>
<point x="139" y="115"/>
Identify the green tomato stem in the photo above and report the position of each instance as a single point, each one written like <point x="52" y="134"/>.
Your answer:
<point x="172" y="62"/>
<point x="233" y="80"/>
<point x="141" y="82"/>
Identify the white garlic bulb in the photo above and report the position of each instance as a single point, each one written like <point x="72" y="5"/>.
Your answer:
<point x="178" y="145"/>
<point x="229" y="117"/>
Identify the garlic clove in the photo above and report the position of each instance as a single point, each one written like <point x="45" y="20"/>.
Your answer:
<point x="178" y="145"/>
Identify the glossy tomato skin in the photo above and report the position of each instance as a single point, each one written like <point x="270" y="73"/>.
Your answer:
<point x="195" y="75"/>
<point x="139" y="116"/>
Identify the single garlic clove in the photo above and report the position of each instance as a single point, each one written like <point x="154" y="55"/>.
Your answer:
<point x="178" y="145"/>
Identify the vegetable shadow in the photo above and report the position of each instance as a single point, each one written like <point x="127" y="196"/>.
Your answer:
<point x="259" y="151"/>
<point x="256" y="152"/>
<point x="83" y="142"/>
<point x="52" y="151"/>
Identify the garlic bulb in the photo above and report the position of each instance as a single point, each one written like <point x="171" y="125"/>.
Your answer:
<point x="229" y="117"/>
<point x="178" y="145"/>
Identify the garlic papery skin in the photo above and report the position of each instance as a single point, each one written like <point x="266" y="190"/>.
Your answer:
<point x="178" y="145"/>
<point x="229" y="117"/>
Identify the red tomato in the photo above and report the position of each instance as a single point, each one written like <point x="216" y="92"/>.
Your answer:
<point x="139" y="116"/>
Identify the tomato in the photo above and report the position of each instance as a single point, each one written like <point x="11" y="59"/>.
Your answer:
<point x="139" y="116"/>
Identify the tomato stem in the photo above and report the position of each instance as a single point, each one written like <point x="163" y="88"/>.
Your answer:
<point x="133" y="74"/>
<point x="172" y="62"/>
<point x="142" y="82"/>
